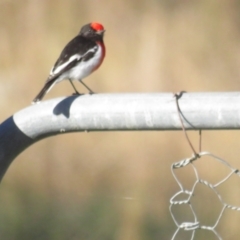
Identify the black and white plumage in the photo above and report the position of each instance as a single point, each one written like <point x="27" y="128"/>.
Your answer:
<point x="80" y="57"/>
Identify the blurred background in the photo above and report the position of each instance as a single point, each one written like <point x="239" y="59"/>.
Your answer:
<point x="116" y="185"/>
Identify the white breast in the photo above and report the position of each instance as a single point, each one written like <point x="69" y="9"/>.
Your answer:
<point x="83" y="69"/>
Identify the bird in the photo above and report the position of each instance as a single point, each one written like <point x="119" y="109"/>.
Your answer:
<point x="79" y="58"/>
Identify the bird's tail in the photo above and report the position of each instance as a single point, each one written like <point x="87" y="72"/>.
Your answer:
<point x="48" y="85"/>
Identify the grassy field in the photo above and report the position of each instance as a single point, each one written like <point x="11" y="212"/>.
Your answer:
<point x="114" y="185"/>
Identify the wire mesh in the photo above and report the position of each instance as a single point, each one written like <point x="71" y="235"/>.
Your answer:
<point x="190" y="194"/>
<point x="186" y="195"/>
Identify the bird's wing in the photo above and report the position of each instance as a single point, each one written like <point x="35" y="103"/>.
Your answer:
<point x="79" y="49"/>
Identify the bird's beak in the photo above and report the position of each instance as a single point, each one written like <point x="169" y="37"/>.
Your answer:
<point x="101" y="32"/>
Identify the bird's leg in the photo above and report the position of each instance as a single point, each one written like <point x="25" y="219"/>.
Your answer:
<point x="89" y="89"/>
<point x="76" y="92"/>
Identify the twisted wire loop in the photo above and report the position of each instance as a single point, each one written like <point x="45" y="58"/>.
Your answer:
<point x="190" y="194"/>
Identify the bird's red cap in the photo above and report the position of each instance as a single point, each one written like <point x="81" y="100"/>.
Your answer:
<point x="97" y="26"/>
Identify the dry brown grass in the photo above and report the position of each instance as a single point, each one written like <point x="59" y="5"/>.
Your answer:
<point x="152" y="46"/>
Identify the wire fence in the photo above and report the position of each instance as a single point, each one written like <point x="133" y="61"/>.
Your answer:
<point x="185" y="196"/>
<point x="191" y="193"/>
<point x="138" y="112"/>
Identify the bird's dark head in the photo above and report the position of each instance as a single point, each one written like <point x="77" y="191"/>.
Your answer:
<point x="93" y="31"/>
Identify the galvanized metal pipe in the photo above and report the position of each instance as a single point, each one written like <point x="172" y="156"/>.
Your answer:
<point x="115" y="112"/>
